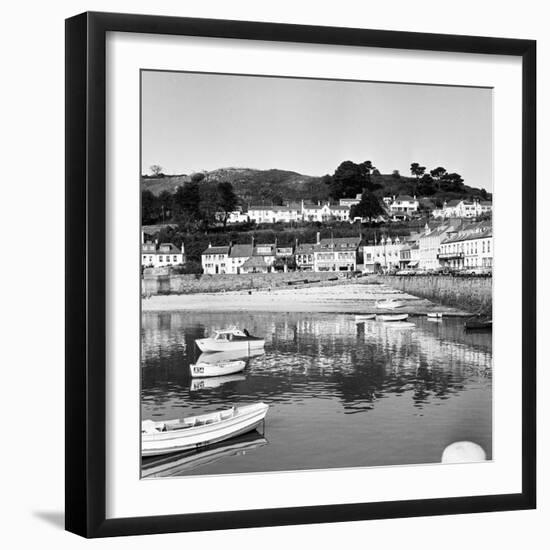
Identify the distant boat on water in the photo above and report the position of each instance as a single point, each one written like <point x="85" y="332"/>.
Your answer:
<point x="389" y="304"/>
<point x="393" y="317"/>
<point x="435" y="315"/>
<point x="196" y="432"/>
<point x="231" y="339"/>
<point x="223" y="368"/>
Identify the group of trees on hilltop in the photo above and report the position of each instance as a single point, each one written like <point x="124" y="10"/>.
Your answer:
<point x="194" y="205"/>
<point x="438" y="179"/>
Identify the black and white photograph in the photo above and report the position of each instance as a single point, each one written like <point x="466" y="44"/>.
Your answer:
<point x="316" y="274"/>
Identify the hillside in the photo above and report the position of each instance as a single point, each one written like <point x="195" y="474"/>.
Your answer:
<point x="250" y="185"/>
<point x="276" y="186"/>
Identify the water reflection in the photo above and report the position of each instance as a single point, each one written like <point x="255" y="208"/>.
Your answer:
<point x="325" y="367"/>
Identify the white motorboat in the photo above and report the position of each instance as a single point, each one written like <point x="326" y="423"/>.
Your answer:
<point x="231" y="339"/>
<point x="435" y="315"/>
<point x="196" y="432"/>
<point x="222" y="368"/>
<point x="389" y="304"/>
<point x="394" y="317"/>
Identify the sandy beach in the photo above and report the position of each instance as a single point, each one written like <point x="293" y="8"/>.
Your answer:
<point x="342" y="298"/>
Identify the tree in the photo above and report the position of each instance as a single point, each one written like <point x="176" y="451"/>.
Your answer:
<point x="156" y="170"/>
<point x="426" y="185"/>
<point x="186" y="202"/>
<point x="197" y="177"/>
<point x="348" y="180"/>
<point x="208" y="204"/>
<point x="227" y="199"/>
<point x="452" y="182"/>
<point x="165" y="200"/>
<point x="149" y="208"/>
<point x="367" y="169"/>
<point x="417" y="171"/>
<point x="368" y="208"/>
<point x="437" y="174"/>
<point x="395" y="174"/>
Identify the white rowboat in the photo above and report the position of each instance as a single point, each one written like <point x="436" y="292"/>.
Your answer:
<point x="196" y="432"/>
<point x="389" y="304"/>
<point x="202" y="369"/>
<point x="231" y="339"/>
<point x="398" y="317"/>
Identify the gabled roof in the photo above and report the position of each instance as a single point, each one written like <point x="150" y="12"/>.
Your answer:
<point x="241" y="251"/>
<point x="454" y="202"/>
<point x="216" y="250"/>
<point x="305" y="248"/>
<point x="253" y="262"/>
<point x="404" y="198"/>
<point x="341" y="243"/>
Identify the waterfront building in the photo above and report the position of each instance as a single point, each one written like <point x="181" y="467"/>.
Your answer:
<point x="238" y="254"/>
<point x="336" y="254"/>
<point x="215" y="260"/>
<point x="167" y="254"/>
<point x="429" y="243"/>
<point x="268" y="253"/>
<point x="255" y="264"/>
<point x="471" y="248"/>
<point x="304" y="256"/>
<point x="385" y="255"/>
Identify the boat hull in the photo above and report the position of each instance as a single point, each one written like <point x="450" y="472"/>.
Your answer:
<point x="202" y="369"/>
<point x="210" y="345"/>
<point x="391" y="318"/>
<point x="245" y="419"/>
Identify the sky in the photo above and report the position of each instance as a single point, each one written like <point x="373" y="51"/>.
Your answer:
<point x="196" y="121"/>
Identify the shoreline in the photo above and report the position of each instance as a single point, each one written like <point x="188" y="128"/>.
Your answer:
<point x="341" y="299"/>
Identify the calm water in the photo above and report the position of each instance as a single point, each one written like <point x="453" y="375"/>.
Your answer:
<point x="340" y="394"/>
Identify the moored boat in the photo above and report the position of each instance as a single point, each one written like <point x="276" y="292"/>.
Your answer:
<point x="435" y="315"/>
<point x="363" y="318"/>
<point x="231" y="339"/>
<point x="394" y="317"/>
<point x="222" y="368"/>
<point x="389" y="304"/>
<point x="478" y="324"/>
<point x="196" y="432"/>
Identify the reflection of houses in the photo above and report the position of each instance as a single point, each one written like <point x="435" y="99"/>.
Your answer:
<point x="166" y="255"/>
<point x="215" y="260"/>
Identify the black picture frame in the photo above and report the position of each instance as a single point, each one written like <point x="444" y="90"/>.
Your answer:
<point x="86" y="274"/>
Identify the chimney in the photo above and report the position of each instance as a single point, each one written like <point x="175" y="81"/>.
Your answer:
<point x="318" y="237"/>
<point x="182" y="248"/>
<point x="210" y="244"/>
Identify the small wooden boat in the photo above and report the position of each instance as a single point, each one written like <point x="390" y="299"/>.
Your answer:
<point x="435" y="315"/>
<point x="394" y="317"/>
<point x="196" y="432"/>
<point x="389" y="304"/>
<point x="223" y="368"/>
<point x="181" y="463"/>
<point x="478" y="324"/>
<point x="363" y="318"/>
<point x="231" y="339"/>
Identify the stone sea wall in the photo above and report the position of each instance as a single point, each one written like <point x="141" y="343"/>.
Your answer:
<point x="165" y="283"/>
<point x="473" y="294"/>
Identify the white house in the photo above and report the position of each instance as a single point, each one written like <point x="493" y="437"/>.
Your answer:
<point x="384" y="255"/>
<point x="304" y="256"/>
<point x="166" y="255"/>
<point x="402" y="204"/>
<point x="215" y="259"/>
<point x="463" y="209"/>
<point x="429" y="243"/>
<point x="238" y="255"/>
<point x="351" y="202"/>
<point x="275" y="214"/>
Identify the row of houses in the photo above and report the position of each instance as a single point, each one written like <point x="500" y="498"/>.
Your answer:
<point x="457" y="245"/>
<point x="332" y="254"/>
<point x="398" y="208"/>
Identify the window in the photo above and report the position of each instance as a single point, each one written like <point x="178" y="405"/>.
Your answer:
<point x="175" y="258"/>
<point x="161" y="258"/>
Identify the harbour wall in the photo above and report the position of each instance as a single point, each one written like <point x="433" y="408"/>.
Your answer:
<point x="473" y="294"/>
<point x="163" y="282"/>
